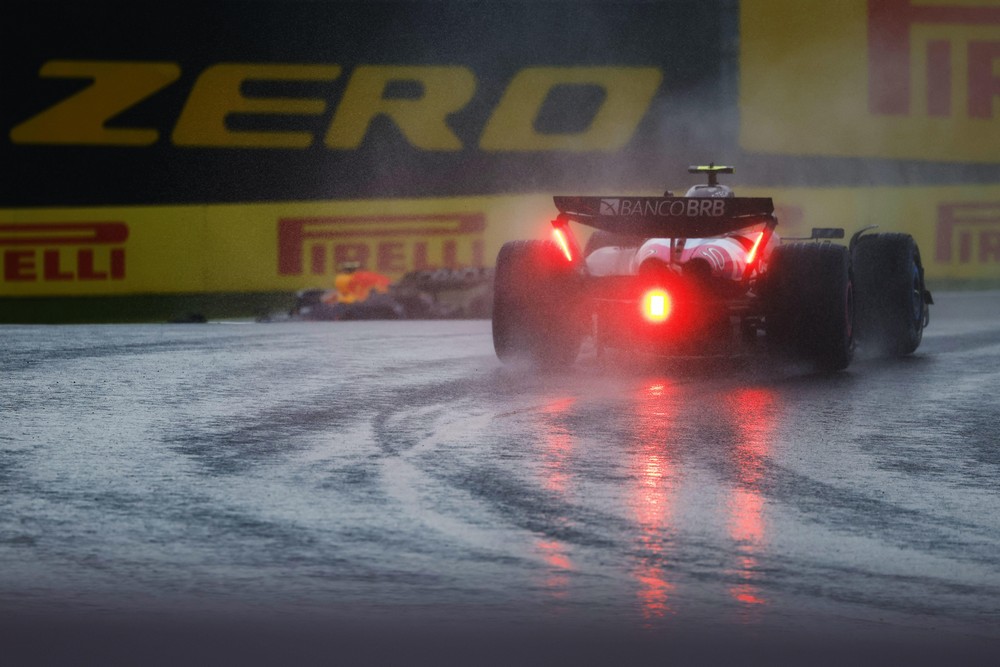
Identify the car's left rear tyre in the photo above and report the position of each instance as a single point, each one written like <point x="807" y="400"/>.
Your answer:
<point x="809" y="299"/>
<point x="536" y="305"/>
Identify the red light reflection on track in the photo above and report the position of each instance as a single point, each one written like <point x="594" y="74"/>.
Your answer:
<point x="752" y="410"/>
<point x="559" y="566"/>
<point x="652" y="495"/>
<point x="557" y="451"/>
<point x="558" y="445"/>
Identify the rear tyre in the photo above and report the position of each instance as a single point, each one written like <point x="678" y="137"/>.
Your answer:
<point x="810" y="304"/>
<point x="536" y="298"/>
<point x="892" y="301"/>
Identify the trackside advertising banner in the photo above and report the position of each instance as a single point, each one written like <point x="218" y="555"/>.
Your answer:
<point x="250" y="147"/>
<point x="891" y="79"/>
<point x="287" y="246"/>
<point x="957" y="228"/>
<point x="250" y="248"/>
<point x="214" y="102"/>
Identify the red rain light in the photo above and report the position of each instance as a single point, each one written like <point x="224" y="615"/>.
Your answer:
<point x="563" y="242"/>
<point x="656" y="305"/>
<point x="753" y="250"/>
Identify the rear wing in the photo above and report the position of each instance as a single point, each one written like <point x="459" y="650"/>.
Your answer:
<point x="661" y="217"/>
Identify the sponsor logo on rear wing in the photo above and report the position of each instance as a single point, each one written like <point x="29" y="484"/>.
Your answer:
<point x="666" y="216"/>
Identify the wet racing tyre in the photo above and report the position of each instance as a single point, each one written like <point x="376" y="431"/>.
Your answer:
<point x="536" y="312"/>
<point x="809" y="304"/>
<point x="892" y="301"/>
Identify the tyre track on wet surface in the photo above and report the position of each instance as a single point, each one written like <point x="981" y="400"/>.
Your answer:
<point x="836" y="507"/>
<point x="543" y="511"/>
<point x="238" y="442"/>
<point x="388" y="472"/>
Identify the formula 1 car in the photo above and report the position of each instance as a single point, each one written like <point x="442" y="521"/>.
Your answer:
<point x="704" y="274"/>
<point x="427" y="294"/>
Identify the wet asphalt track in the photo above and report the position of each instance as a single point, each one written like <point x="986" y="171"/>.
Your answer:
<point x="376" y="491"/>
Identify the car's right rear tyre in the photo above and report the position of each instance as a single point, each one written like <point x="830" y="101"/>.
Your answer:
<point x="536" y="305"/>
<point x="810" y="304"/>
<point x="891" y="296"/>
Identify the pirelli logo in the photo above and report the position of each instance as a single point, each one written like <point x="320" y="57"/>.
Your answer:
<point x="392" y="244"/>
<point x="896" y="79"/>
<point x="936" y="58"/>
<point x="968" y="233"/>
<point x="63" y="251"/>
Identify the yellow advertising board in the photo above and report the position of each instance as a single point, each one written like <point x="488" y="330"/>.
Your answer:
<point x="956" y="227"/>
<point x="896" y="79"/>
<point x="252" y="247"/>
<point x="282" y="247"/>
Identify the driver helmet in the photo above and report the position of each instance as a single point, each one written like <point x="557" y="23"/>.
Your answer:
<point x="710" y="191"/>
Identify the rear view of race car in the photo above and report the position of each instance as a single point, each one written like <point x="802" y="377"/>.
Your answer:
<point x="704" y="274"/>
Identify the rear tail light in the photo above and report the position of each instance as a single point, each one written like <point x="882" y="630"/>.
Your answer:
<point x="656" y="305"/>
<point x="560" y="236"/>
<point x="753" y="251"/>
